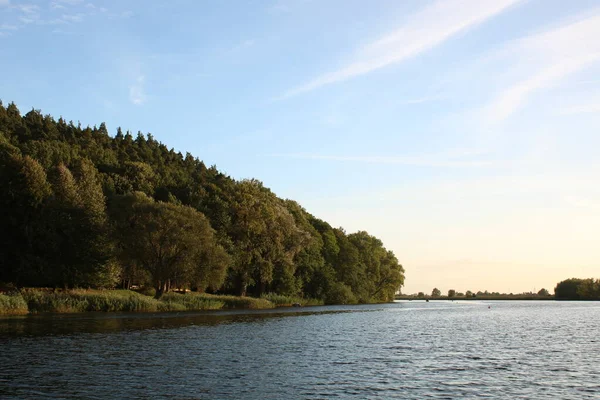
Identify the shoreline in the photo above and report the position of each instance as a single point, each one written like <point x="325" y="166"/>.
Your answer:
<point x="33" y="301"/>
<point x="488" y="298"/>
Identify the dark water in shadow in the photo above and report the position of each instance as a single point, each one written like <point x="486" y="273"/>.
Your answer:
<point x="404" y="350"/>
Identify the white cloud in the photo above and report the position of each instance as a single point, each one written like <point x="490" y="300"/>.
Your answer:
<point x="137" y="94"/>
<point x="423" y="31"/>
<point x="29" y="8"/>
<point x="72" y="17"/>
<point x="68" y="2"/>
<point x="549" y="58"/>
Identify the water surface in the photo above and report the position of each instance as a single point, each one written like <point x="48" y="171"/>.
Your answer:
<point x="403" y="350"/>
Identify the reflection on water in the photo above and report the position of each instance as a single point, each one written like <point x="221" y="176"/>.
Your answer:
<point x="408" y="350"/>
<point x="60" y="324"/>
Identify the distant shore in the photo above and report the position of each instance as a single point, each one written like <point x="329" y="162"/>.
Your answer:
<point x="482" y="297"/>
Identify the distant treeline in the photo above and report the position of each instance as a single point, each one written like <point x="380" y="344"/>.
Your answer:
<point x="578" y="289"/>
<point x="436" y="293"/>
<point x="569" y="289"/>
<point x="83" y="209"/>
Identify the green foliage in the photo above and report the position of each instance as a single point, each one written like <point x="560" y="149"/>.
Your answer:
<point x="78" y="300"/>
<point x="451" y="293"/>
<point x="288" y="301"/>
<point x="83" y="209"/>
<point x="84" y="300"/>
<point x="543" y="292"/>
<point x="12" y="304"/>
<point x="578" y="289"/>
<point x="340" y="294"/>
<point x="170" y="242"/>
<point x="234" y="302"/>
<point x="436" y="292"/>
<point x="190" y="301"/>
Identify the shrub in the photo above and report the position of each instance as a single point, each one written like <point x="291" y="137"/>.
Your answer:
<point x="340" y="294"/>
<point x="283" y="301"/>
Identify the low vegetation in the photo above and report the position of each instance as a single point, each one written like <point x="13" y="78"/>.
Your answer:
<point x="288" y="301"/>
<point x="12" y="304"/>
<point x="35" y="301"/>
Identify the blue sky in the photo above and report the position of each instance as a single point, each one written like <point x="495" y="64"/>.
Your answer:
<point x="464" y="133"/>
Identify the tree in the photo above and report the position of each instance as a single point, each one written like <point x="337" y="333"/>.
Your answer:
<point x="543" y="292"/>
<point x="57" y="178"/>
<point x="25" y="191"/>
<point x="265" y="236"/>
<point x="568" y="289"/>
<point x="172" y="243"/>
<point x="79" y="249"/>
<point x="421" y="295"/>
<point x="451" y="293"/>
<point x="468" y="293"/>
<point x="436" y="292"/>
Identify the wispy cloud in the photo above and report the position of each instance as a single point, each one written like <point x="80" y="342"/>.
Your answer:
<point x="553" y="56"/>
<point x="424" y="30"/>
<point x="137" y="94"/>
<point x="28" y="8"/>
<point x="454" y="158"/>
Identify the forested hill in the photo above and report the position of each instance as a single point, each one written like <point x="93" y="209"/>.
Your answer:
<point x="83" y="209"/>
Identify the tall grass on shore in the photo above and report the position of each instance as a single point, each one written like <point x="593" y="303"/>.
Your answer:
<point x="288" y="301"/>
<point x="13" y="304"/>
<point x="230" y="302"/>
<point x="82" y="300"/>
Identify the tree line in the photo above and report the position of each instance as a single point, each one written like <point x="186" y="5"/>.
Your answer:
<point x="81" y="208"/>
<point x="578" y="289"/>
<point x="452" y="293"/>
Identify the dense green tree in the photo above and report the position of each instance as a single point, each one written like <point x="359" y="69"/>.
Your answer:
<point x="79" y="246"/>
<point x="436" y="292"/>
<point x="451" y="293"/>
<point x="57" y="178"/>
<point x="568" y="289"/>
<point x="589" y="289"/>
<point x="265" y="237"/>
<point x="25" y="190"/>
<point x="174" y="244"/>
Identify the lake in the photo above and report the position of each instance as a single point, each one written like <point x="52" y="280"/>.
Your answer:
<point x="406" y="350"/>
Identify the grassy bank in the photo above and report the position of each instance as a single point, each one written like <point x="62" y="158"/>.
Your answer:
<point x="13" y="304"/>
<point x="33" y="301"/>
<point x="288" y="301"/>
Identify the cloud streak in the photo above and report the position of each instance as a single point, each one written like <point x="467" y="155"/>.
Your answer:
<point x="553" y="55"/>
<point x="137" y="94"/>
<point x="424" y="30"/>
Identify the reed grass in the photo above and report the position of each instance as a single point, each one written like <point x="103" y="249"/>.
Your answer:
<point x="83" y="300"/>
<point x="288" y="301"/>
<point x="13" y="304"/>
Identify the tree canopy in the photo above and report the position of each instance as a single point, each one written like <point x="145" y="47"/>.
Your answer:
<point x="84" y="209"/>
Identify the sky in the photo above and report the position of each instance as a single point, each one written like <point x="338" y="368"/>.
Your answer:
<point x="463" y="133"/>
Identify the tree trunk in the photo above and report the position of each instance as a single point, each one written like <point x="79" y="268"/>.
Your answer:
<point x="160" y="289"/>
